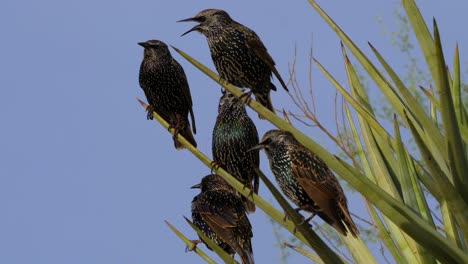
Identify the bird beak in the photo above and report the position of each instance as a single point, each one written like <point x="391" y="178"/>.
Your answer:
<point x="195" y="28"/>
<point x="194" y="19"/>
<point x="196" y="186"/>
<point x="257" y="147"/>
<point x="143" y="44"/>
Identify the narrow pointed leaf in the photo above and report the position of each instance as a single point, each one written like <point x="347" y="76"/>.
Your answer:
<point x="216" y="249"/>
<point x="457" y="155"/>
<point x="305" y="253"/>
<point x="189" y="243"/>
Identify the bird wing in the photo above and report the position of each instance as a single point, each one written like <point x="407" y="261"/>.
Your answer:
<point x="223" y="218"/>
<point x="183" y="84"/>
<point x="219" y="214"/>
<point x="254" y="43"/>
<point x="316" y="179"/>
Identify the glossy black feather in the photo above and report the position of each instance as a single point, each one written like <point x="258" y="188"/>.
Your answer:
<point x="233" y="135"/>
<point x="219" y="213"/>
<point x="165" y="85"/>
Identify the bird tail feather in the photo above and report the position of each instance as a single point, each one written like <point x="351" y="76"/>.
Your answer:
<point x="265" y="100"/>
<point x="187" y="134"/>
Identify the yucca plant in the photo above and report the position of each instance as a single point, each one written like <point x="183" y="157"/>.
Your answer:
<point x="395" y="182"/>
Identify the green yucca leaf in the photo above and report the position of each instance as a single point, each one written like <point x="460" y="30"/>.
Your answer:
<point x="397" y="211"/>
<point x="424" y="123"/>
<point x="454" y="200"/>
<point x="432" y="100"/>
<point x="409" y="189"/>
<point x="409" y="196"/>
<point x="384" y="234"/>
<point x="457" y="156"/>
<point x="450" y="227"/>
<point x="456" y="90"/>
<point x="189" y="244"/>
<point x="227" y="258"/>
<point x="305" y="253"/>
<point x="422" y="35"/>
<point x="368" y="172"/>
<point x="418" y="192"/>
<point x="356" y="105"/>
<point x="384" y="165"/>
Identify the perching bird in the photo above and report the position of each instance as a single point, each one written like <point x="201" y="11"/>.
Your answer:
<point x="165" y="85"/>
<point x="306" y="180"/>
<point x="219" y="213"/>
<point x="233" y="135"/>
<point x="238" y="54"/>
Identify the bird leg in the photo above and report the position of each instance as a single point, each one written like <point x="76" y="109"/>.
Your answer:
<point x="246" y="97"/>
<point x="215" y="165"/>
<point x="305" y="207"/>
<point x="149" y="115"/>
<point x="176" y="128"/>
<point x="193" y="246"/>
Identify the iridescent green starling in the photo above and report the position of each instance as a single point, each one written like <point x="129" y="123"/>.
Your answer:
<point x="165" y="85"/>
<point x="233" y="135"/>
<point x="219" y="213"/>
<point x="238" y="54"/>
<point x="306" y="180"/>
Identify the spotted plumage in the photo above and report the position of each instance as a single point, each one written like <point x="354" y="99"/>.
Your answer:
<point x="233" y="135"/>
<point x="219" y="213"/>
<point x="238" y="54"/>
<point x="306" y="180"/>
<point x="165" y="85"/>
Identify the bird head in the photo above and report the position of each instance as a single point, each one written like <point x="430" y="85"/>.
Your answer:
<point x="273" y="139"/>
<point x="155" y="48"/>
<point x="209" y="21"/>
<point x="212" y="182"/>
<point x="229" y="102"/>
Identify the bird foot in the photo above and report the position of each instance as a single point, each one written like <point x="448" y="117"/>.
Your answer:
<point x="193" y="245"/>
<point x="149" y="110"/>
<point x="215" y="165"/>
<point x="286" y="218"/>
<point x="246" y="97"/>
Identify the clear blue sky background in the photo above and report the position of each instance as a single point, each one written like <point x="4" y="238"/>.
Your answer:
<point x="84" y="177"/>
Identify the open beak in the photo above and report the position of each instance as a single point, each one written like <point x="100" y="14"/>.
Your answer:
<point x="257" y="147"/>
<point x="196" y="186"/>
<point x="143" y="44"/>
<point x="192" y="19"/>
<point x="195" y="28"/>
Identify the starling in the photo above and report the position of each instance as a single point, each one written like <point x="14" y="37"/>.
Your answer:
<point x="233" y="135"/>
<point x="165" y="85"/>
<point x="219" y="213"/>
<point x="238" y="54"/>
<point x="306" y="180"/>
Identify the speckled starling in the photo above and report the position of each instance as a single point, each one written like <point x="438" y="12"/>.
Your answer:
<point x="238" y="54"/>
<point x="219" y="213"/>
<point x="306" y="180"/>
<point x="233" y="135"/>
<point x="165" y="85"/>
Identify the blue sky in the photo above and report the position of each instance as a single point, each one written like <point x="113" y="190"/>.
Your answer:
<point x="84" y="177"/>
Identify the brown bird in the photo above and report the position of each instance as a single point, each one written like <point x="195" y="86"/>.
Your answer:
<point x="220" y="214"/>
<point x="165" y="85"/>
<point x="306" y="180"/>
<point x="238" y="54"/>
